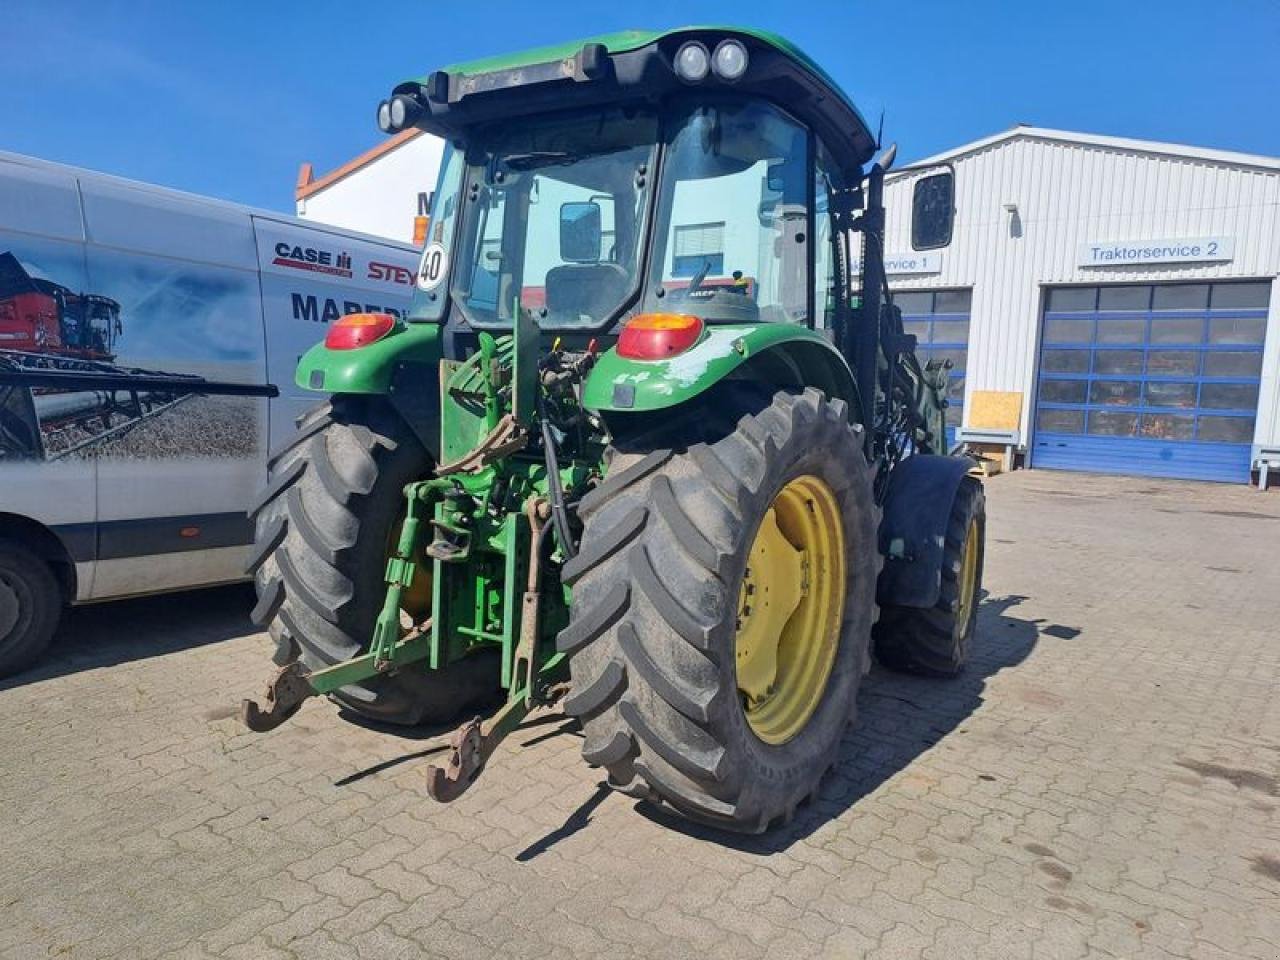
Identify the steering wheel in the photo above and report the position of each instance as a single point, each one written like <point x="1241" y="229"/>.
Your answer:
<point x="696" y="283"/>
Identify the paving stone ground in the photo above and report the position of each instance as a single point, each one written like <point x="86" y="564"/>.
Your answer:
<point x="1103" y="781"/>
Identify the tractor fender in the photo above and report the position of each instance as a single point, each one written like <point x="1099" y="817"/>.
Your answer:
<point x="778" y="354"/>
<point x="403" y="366"/>
<point x="917" y="509"/>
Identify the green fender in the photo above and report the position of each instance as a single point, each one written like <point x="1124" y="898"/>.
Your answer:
<point x="404" y="366"/>
<point x="778" y="354"/>
<point x="372" y="368"/>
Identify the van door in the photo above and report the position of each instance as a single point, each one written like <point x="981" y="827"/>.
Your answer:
<point x="311" y="277"/>
<point x="178" y="472"/>
<point x="47" y="462"/>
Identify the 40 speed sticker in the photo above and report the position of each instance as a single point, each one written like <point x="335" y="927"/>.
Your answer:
<point x="434" y="266"/>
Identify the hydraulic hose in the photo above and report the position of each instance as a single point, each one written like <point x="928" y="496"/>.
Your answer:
<point x="559" y="514"/>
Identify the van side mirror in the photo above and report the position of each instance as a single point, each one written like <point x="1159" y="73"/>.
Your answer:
<point x="933" y="211"/>
<point x="580" y="232"/>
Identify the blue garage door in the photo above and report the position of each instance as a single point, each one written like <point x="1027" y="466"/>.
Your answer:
<point x="940" y="321"/>
<point x="1156" y="380"/>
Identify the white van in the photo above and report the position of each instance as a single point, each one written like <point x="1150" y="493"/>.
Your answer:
<point x="139" y="330"/>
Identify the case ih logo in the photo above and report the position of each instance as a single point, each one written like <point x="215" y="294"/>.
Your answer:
<point x="309" y="258"/>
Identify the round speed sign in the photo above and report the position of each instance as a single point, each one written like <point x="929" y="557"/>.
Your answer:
<point x="434" y="265"/>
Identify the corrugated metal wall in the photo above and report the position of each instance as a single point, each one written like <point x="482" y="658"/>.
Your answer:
<point x="1070" y="193"/>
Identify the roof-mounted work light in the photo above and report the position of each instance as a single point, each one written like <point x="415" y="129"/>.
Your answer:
<point x="692" y="63"/>
<point x="401" y="112"/>
<point x="730" y="60"/>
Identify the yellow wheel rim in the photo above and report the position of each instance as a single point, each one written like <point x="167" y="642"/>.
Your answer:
<point x="790" y="608"/>
<point x="968" y="576"/>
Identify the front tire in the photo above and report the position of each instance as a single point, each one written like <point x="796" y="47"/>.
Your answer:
<point x="30" y="607"/>
<point x="658" y="587"/>
<point x="323" y="529"/>
<point x="937" y="640"/>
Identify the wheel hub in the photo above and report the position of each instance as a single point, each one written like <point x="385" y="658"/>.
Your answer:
<point x="790" y="608"/>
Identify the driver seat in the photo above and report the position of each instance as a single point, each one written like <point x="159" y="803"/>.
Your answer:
<point x="593" y="289"/>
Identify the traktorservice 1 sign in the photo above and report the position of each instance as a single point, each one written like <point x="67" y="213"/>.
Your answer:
<point x="1118" y="253"/>
<point x="897" y="264"/>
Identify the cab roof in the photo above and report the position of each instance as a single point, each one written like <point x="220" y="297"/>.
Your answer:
<point x="637" y="65"/>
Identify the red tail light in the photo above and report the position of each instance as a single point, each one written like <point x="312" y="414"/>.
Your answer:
<point x="655" y="336"/>
<point x="359" y="330"/>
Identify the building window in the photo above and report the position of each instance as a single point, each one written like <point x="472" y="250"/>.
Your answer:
<point x="697" y="245"/>
<point x="940" y="321"/>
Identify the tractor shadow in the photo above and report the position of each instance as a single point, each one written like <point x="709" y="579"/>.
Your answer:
<point x="122" y="631"/>
<point x="899" y="718"/>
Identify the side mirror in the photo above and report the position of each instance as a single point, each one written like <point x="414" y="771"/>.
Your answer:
<point x="580" y="232"/>
<point x="933" y="210"/>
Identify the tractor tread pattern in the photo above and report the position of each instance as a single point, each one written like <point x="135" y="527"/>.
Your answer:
<point x="616" y="748"/>
<point x="278" y="483"/>
<point x="595" y="621"/>
<point x="307" y="428"/>
<point x="272" y="533"/>
<point x="604" y="689"/>
<point x="308" y="546"/>
<point x="618" y="482"/>
<point x="664" y="534"/>
<point x="604" y="547"/>
<point x="686" y="700"/>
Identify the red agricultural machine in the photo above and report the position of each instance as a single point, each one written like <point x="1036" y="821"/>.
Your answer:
<point x="41" y="316"/>
<point x="60" y="391"/>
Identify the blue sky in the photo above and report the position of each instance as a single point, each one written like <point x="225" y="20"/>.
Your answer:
<point x="227" y="98"/>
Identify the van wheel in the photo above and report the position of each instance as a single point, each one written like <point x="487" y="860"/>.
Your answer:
<point x="324" y="527"/>
<point x="30" y="606"/>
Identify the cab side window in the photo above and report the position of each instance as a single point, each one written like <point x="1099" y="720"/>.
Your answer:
<point x="825" y="238"/>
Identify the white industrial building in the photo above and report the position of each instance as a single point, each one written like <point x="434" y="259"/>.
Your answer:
<point x="379" y="192"/>
<point x="1109" y="304"/>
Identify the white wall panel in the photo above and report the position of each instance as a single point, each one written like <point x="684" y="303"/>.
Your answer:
<point x="381" y="197"/>
<point x="1069" y="193"/>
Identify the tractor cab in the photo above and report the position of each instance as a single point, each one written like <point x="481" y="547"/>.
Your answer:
<point x="689" y="173"/>
<point x="90" y="324"/>
<point x="41" y="316"/>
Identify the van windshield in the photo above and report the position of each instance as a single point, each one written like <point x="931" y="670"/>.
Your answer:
<point x="553" y="216"/>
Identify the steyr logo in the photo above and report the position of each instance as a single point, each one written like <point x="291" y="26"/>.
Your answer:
<point x="313" y="259"/>
<point x="390" y="272"/>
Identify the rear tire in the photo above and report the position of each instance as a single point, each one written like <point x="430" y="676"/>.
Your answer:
<point x="323" y="527"/>
<point x="937" y="640"/>
<point x="654" y="617"/>
<point x="30" y="606"/>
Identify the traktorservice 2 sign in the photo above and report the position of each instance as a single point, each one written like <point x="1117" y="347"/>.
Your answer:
<point x="1118" y="253"/>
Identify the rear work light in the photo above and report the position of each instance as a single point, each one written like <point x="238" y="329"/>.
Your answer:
<point x="359" y="330"/>
<point x="656" y="336"/>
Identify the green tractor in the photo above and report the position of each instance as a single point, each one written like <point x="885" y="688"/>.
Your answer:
<point x="651" y="437"/>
